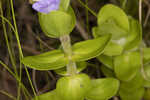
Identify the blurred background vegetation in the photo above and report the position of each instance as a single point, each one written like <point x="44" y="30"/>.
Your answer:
<point x="20" y="20"/>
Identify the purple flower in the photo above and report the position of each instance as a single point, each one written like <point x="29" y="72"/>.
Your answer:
<point x="46" y="6"/>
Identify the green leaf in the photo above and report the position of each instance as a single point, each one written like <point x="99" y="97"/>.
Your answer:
<point x="112" y="20"/>
<point x="133" y="89"/>
<point x="135" y="36"/>
<point x="110" y="27"/>
<point x="146" y="55"/>
<point x="103" y="89"/>
<point x="56" y="59"/>
<point x="90" y="48"/>
<point x="134" y="95"/>
<point x="47" y="61"/>
<point x="73" y="87"/>
<point x="57" y="23"/>
<point x="113" y="12"/>
<point x="106" y="60"/>
<point x="134" y="84"/>
<point x="113" y="49"/>
<point x="80" y="66"/>
<point x="48" y="96"/>
<point x="127" y="65"/>
<point x="107" y="71"/>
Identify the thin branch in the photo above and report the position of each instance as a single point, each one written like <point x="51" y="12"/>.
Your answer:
<point x="51" y="75"/>
<point x="141" y="47"/>
<point x="7" y="94"/>
<point x="83" y="33"/>
<point x="34" y="80"/>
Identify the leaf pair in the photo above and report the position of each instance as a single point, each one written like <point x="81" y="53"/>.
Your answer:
<point x="126" y="35"/>
<point x="129" y="90"/>
<point x="79" y="87"/>
<point x="120" y="57"/>
<point x="56" y="59"/>
<point x="69" y="88"/>
<point x="133" y="89"/>
<point x="127" y="65"/>
<point x="118" y="63"/>
<point x="126" y="32"/>
<point x="73" y="87"/>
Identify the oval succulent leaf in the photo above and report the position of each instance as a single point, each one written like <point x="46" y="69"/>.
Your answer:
<point x="133" y="89"/>
<point x="48" y="96"/>
<point x="90" y="48"/>
<point x="80" y="66"/>
<point x="135" y="36"/>
<point x="134" y="95"/>
<point x="73" y="87"/>
<point x="47" y="61"/>
<point x="127" y="65"/>
<point x="134" y="84"/>
<point x="113" y="12"/>
<point x="112" y="20"/>
<point x="57" y="23"/>
<point x="103" y="89"/>
<point x="113" y="49"/>
<point x="110" y="27"/>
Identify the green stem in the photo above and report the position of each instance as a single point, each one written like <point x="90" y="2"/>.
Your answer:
<point x="66" y="44"/>
<point x="16" y="77"/>
<point x="7" y="42"/>
<point x="20" y="50"/>
<point x="124" y="4"/>
<point x="90" y="10"/>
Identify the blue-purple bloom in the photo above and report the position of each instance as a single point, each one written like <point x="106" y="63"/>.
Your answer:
<point x="46" y="6"/>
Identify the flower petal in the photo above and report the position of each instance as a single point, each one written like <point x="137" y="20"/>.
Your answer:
<point x="46" y="6"/>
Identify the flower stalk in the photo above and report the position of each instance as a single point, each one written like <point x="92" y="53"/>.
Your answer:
<point x="66" y="44"/>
